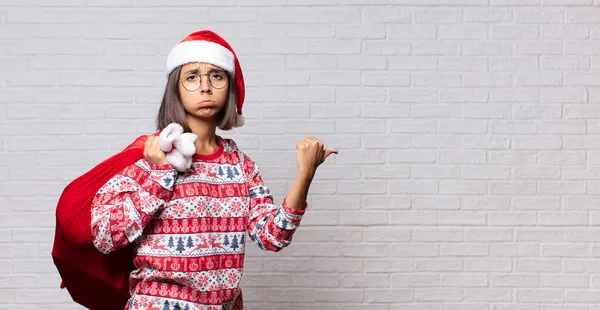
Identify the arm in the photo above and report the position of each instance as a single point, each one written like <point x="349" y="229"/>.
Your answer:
<point x="271" y="226"/>
<point x="128" y="201"/>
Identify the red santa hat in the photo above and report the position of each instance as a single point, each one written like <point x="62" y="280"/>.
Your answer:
<point x="207" y="46"/>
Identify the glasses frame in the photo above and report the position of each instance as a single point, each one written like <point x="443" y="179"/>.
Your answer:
<point x="181" y="79"/>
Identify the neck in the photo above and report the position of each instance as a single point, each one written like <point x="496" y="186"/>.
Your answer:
<point x="206" y="132"/>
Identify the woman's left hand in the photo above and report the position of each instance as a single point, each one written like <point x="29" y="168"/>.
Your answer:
<point x="310" y="154"/>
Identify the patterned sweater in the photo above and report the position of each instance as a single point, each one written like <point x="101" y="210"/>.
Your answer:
<point x="188" y="229"/>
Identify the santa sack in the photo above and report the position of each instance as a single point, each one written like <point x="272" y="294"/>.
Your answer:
<point x="93" y="279"/>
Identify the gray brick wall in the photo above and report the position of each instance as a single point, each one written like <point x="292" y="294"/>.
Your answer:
<point x="467" y="130"/>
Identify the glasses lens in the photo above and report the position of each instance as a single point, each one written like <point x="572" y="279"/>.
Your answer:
<point x="191" y="82"/>
<point x="218" y="80"/>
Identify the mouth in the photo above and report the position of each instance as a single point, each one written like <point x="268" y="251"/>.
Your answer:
<point x="206" y="104"/>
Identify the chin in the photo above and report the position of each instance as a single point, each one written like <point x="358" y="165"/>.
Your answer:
<point x="210" y="117"/>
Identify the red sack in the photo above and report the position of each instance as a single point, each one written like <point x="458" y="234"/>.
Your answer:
<point x="93" y="279"/>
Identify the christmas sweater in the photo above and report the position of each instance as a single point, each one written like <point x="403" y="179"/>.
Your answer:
<point x="188" y="229"/>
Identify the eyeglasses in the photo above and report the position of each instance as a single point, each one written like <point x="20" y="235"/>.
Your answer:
<point x="192" y="82"/>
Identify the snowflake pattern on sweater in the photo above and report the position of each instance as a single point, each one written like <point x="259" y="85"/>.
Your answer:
<point x="189" y="229"/>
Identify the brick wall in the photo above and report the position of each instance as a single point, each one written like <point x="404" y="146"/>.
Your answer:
<point x="468" y="133"/>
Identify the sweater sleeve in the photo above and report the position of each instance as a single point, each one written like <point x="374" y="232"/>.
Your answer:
<point x="270" y="226"/>
<point x="127" y="202"/>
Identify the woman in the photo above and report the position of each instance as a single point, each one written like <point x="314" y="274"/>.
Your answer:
<point x="188" y="228"/>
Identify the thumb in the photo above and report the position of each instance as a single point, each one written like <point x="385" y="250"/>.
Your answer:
<point x="328" y="152"/>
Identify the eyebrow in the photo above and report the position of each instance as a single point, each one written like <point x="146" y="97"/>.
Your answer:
<point x="209" y="70"/>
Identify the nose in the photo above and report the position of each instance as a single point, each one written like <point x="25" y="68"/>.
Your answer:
<point x="205" y="84"/>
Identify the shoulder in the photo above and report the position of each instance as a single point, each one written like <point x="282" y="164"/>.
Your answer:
<point x="231" y="147"/>
<point x="140" y="141"/>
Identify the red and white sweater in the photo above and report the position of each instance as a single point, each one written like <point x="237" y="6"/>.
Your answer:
<point x="188" y="229"/>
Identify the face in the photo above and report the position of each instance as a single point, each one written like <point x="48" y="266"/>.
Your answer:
<point x="203" y="89"/>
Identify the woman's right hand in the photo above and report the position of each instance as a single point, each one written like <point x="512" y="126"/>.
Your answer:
<point x="153" y="153"/>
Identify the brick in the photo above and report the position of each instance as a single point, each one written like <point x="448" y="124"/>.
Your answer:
<point x="514" y="218"/>
<point x="557" y="250"/>
<point x="413" y="187"/>
<point x="582" y="48"/>
<point x="228" y="14"/>
<point x="516" y="63"/>
<point x="431" y="47"/>
<point x="386" y="234"/>
<point x="279" y="15"/>
<point x="539" y="79"/>
<point x="380" y="265"/>
<point x="387" y="47"/>
<point x="338" y="15"/>
<point x="564" y="32"/>
<point x="438" y="235"/>
<point x="582" y="15"/>
<point x="378" y="78"/>
<point x="484" y="173"/>
<point x="486" y="80"/>
<point x="328" y="234"/>
<point x="549" y="47"/>
<point x="303" y="62"/>
<point x="514" y="158"/>
<point x="386" y="172"/>
<point x="463" y="32"/>
<point x="487" y="264"/>
<point x="565" y="63"/>
<point x="482" y="48"/>
<point x="536" y="203"/>
<point x="515" y="280"/>
<point x="485" y="142"/>
<point x="360" y="218"/>
<point x="414" y="280"/>
<point x="373" y="14"/>
<point x="587" y="296"/>
<point x="438" y="294"/>
<point x="579" y="265"/>
<point x="407" y="32"/>
<point x="487" y="295"/>
<point x="464" y="280"/>
<point x="539" y="295"/>
<point x="389" y="295"/>
<point x="279" y="295"/>
<point x="442" y="111"/>
<point x="462" y="187"/>
<point x="436" y="15"/>
<point x="458" y="63"/>
<point x="461" y="218"/>
<point x="439" y="264"/>
<point x="435" y="80"/>
<point x="347" y="265"/>
<point x="409" y="63"/>
<point x="434" y="172"/>
<point x="538" y="142"/>
<point x="522" y="173"/>
<point x="465" y="250"/>
<point x="515" y="250"/>
<point x="414" y="250"/>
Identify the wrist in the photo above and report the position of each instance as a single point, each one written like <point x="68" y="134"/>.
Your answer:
<point x="305" y="174"/>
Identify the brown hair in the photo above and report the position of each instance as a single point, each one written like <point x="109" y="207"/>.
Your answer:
<point x="171" y="109"/>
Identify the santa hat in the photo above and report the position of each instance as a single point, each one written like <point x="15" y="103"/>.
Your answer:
<point x="207" y="46"/>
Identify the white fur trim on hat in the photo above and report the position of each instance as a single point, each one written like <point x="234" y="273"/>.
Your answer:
<point x="200" y="51"/>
